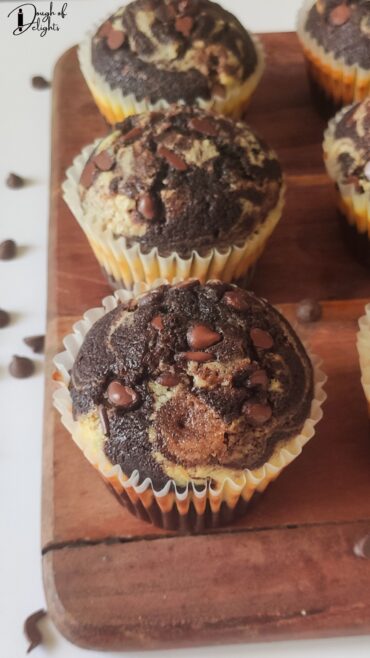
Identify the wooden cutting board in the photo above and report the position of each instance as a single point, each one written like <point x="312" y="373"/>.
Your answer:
<point x="288" y="568"/>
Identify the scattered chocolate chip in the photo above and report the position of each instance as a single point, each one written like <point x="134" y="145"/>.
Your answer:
<point x="168" y="379"/>
<point x="367" y="170"/>
<point x="39" y="82"/>
<point x="8" y="249"/>
<point x="131" y="134"/>
<point x="309" y="310"/>
<point x="105" y="29"/>
<point x="121" y="396"/>
<point x="116" y="39"/>
<point x="157" y="323"/>
<point x="32" y="631"/>
<point x="203" y="126"/>
<point x="261" y="339"/>
<point x="149" y="297"/>
<point x="104" y="420"/>
<point x="184" y="24"/>
<point x="236" y="299"/>
<point x="200" y="336"/>
<point x="257" y="413"/>
<point x="258" y="378"/>
<point x="36" y="343"/>
<point x="340" y="15"/>
<point x="14" y="181"/>
<point x="185" y="285"/>
<point x="103" y="161"/>
<point x="4" y="318"/>
<point x="172" y="158"/>
<point x="21" y="367"/>
<point x="88" y="174"/>
<point x="198" y="356"/>
<point x="362" y="547"/>
<point x="146" y="206"/>
<point x="219" y="90"/>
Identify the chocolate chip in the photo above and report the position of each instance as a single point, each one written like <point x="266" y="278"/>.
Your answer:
<point x="36" y="343"/>
<point x="362" y="547"/>
<point x="149" y="297"/>
<point x="168" y="379"/>
<point x="258" y="378"/>
<point x="4" y="318"/>
<point x="198" y="356"/>
<point x="257" y="413"/>
<point x="88" y="174"/>
<point x="131" y="134"/>
<point x="200" y="336"/>
<point x="103" y="161"/>
<point x="14" y="181"/>
<point x="261" y="339"/>
<point x="184" y="24"/>
<point x="186" y="285"/>
<point x="21" y="367"/>
<point x="31" y="629"/>
<point x="121" y="396"/>
<point x="104" y="420"/>
<point x="203" y="126"/>
<point x="219" y="90"/>
<point x="105" y="29"/>
<point x="8" y="249"/>
<point x="236" y="299"/>
<point x="157" y="323"/>
<point x="367" y="170"/>
<point x="340" y="15"/>
<point x="308" y="310"/>
<point x="116" y="39"/>
<point x="172" y="158"/>
<point x="146" y="205"/>
<point x="39" y="82"/>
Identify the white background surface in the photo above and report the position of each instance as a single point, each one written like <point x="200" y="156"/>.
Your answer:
<point x="24" y="149"/>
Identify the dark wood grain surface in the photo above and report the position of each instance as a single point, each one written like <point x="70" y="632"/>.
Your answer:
<point x="287" y="569"/>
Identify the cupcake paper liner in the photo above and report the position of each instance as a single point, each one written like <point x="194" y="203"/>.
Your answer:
<point x="128" y="265"/>
<point x="342" y="83"/>
<point x="363" y="347"/>
<point x="115" y="106"/>
<point x="186" y="508"/>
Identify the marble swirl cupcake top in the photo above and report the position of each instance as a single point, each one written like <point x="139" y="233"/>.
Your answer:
<point x="348" y="155"/>
<point x="180" y="180"/>
<point x="342" y="27"/>
<point x="191" y="381"/>
<point x="173" y="50"/>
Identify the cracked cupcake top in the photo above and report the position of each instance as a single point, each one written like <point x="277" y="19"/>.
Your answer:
<point x="342" y="27"/>
<point x="348" y="153"/>
<point x="191" y="381"/>
<point x="180" y="180"/>
<point x="173" y="50"/>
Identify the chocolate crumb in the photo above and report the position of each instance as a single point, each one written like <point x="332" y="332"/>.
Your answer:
<point x="39" y="82"/>
<point x="4" y="318"/>
<point x="21" y="367"/>
<point x="36" y="343"/>
<point x="14" y="181"/>
<point x="31" y="629"/>
<point x="8" y="249"/>
<point x="308" y="310"/>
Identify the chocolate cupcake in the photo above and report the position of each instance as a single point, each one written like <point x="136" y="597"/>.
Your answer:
<point x="153" y="53"/>
<point x="188" y="399"/>
<point x="335" y="35"/>
<point x="363" y="347"/>
<point x="347" y="157"/>
<point x="178" y="193"/>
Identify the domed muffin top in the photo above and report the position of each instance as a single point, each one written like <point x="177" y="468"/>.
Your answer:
<point x="348" y="159"/>
<point x="173" y="50"/>
<point x="342" y="27"/>
<point x="192" y="381"/>
<point x="180" y="180"/>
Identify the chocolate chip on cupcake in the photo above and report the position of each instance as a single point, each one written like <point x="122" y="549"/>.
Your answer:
<point x="152" y="53"/>
<point x="192" y="384"/>
<point x="347" y="157"/>
<point x="177" y="193"/>
<point x="335" y="35"/>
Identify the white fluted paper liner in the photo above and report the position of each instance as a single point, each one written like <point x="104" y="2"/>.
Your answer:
<point x="115" y="106"/>
<point x="342" y="82"/>
<point x="248" y="482"/>
<point x="363" y="347"/>
<point x="128" y="265"/>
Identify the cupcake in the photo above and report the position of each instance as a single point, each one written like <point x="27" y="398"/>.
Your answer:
<point x="178" y="193"/>
<point x="188" y="399"/>
<point x="347" y="157"/>
<point x="335" y="35"/>
<point x="363" y="347"/>
<point x="153" y="53"/>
